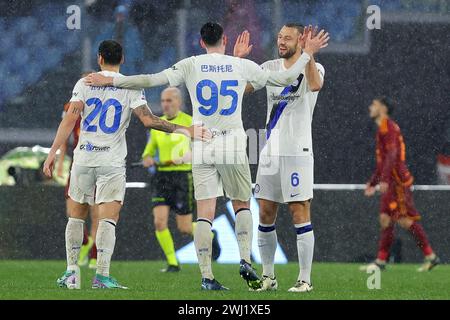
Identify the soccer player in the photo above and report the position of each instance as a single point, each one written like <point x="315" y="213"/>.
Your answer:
<point x="98" y="171"/>
<point x="88" y="251"/>
<point x="172" y="186"/>
<point x="216" y="83"/>
<point x="285" y="171"/>
<point x="394" y="181"/>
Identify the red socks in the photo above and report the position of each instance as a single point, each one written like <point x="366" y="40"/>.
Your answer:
<point x="421" y="238"/>
<point x="385" y="243"/>
<point x="387" y="238"/>
<point x="93" y="252"/>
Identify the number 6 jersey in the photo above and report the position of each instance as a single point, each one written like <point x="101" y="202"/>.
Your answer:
<point x="104" y="121"/>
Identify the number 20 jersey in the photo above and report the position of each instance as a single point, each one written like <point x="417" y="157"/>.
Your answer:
<point x="216" y="85"/>
<point x="104" y="121"/>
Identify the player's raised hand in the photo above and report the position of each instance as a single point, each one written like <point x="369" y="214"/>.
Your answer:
<point x="304" y="35"/>
<point x="98" y="80"/>
<point x="49" y="164"/>
<point x="242" y="47"/>
<point x="314" y="43"/>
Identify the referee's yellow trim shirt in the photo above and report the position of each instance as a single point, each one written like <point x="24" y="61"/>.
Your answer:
<point x="170" y="146"/>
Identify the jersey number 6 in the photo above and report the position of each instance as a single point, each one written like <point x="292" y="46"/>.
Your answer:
<point x="102" y="108"/>
<point x="210" y="105"/>
<point x="295" y="180"/>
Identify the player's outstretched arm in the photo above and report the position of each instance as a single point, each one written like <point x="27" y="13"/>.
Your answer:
<point x="312" y="46"/>
<point x="315" y="81"/>
<point x="64" y="130"/>
<point x="140" y="81"/>
<point x="313" y="77"/>
<point x="149" y="120"/>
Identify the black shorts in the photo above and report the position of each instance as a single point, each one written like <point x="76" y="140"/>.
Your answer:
<point x="174" y="189"/>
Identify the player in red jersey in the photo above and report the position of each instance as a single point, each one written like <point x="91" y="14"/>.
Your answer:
<point x="394" y="181"/>
<point x="88" y="251"/>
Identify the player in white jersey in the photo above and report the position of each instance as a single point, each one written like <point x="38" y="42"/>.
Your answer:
<point x="285" y="171"/>
<point x="98" y="171"/>
<point x="216" y="84"/>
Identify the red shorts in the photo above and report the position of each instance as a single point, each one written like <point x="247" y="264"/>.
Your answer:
<point x="398" y="203"/>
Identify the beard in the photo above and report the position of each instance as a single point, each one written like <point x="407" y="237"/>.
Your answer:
<point x="289" y="53"/>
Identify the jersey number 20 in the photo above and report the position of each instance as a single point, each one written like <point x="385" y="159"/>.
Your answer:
<point x="210" y="105"/>
<point x="102" y="108"/>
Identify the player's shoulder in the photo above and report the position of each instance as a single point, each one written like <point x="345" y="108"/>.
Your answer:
<point x="80" y="83"/>
<point x="392" y="125"/>
<point x="79" y="90"/>
<point x="110" y="73"/>
<point x="190" y="60"/>
<point x="389" y="126"/>
<point x="242" y="61"/>
<point x="135" y="92"/>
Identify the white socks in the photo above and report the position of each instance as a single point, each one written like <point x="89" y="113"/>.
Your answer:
<point x="105" y="241"/>
<point x="203" y="246"/>
<point x="244" y="233"/>
<point x="305" y="249"/>
<point x="267" y="243"/>
<point x="74" y="240"/>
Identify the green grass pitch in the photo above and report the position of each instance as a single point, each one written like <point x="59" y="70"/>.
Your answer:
<point x="37" y="280"/>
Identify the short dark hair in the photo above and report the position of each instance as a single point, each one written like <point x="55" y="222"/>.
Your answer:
<point x="387" y="102"/>
<point x="211" y="33"/>
<point x="111" y="52"/>
<point x="300" y="28"/>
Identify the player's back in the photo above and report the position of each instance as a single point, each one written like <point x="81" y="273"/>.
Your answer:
<point x="105" y="118"/>
<point x="389" y="137"/>
<point x="216" y="87"/>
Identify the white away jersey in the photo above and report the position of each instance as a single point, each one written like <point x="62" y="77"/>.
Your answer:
<point x="216" y="85"/>
<point x="104" y="121"/>
<point x="289" y="115"/>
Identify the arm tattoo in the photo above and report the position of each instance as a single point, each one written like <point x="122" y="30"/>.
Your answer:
<point x="163" y="125"/>
<point x="143" y="111"/>
<point x="155" y="122"/>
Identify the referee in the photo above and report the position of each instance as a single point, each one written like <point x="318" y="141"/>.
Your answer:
<point x="172" y="186"/>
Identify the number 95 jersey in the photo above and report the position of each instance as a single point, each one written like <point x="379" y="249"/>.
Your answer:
<point x="216" y="85"/>
<point x="104" y="121"/>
